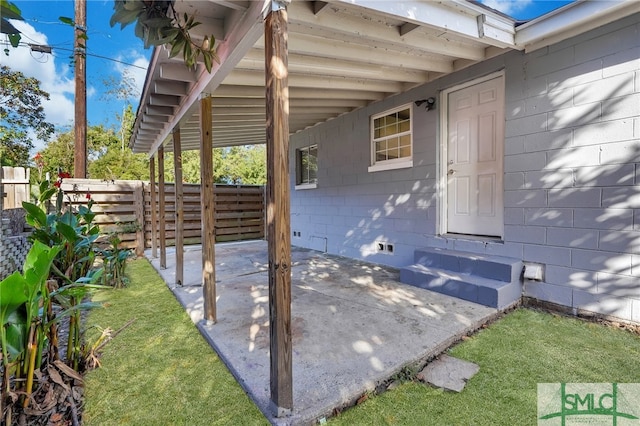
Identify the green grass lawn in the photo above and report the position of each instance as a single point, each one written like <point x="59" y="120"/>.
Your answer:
<point x="524" y="348"/>
<point x="160" y="371"/>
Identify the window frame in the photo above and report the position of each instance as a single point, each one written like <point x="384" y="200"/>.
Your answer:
<point x="299" y="172"/>
<point x="395" y="163"/>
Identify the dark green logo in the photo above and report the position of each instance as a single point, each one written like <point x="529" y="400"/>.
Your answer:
<point x="588" y="403"/>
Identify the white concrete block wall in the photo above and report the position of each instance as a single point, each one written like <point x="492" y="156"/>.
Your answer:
<point x="572" y="174"/>
<point x="572" y="159"/>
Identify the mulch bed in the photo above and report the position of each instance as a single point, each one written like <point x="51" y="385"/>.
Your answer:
<point x="58" y="393"/>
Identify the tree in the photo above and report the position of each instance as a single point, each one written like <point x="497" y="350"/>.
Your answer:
<point x="244" y="165"/>
<point x="237" y="165"/>
<point x="106" y="158"/>
<point x="116" y="163"/>
<point x="21" y="116"/>
<point x="123" y="88"/>
<point x="115" y="159"/>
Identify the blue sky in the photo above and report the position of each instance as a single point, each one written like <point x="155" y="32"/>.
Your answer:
<point x="524" y="10"/>
<point x="120" y="47"/>
<point x="42" y="26"/>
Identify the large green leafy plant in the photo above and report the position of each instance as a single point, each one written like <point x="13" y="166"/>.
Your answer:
<point x="58" y="273"/>
<point x="157" y="22"/>
<point x="23" y="330"/>
<point x="59" y="220"/>
<point x="70" y="226"/>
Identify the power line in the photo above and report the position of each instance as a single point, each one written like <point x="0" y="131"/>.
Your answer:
<point x="42" y="46"/>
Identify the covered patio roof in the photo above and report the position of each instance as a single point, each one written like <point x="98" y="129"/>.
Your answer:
<point x="343" y="54"/>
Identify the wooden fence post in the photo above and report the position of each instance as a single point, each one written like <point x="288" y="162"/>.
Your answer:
<point x="152" y="201"/>
<point x="179" y="236"/>
<point x="208" y="210"/>
<point x="161" y="207"/>
<point x="138" y="197"/>
<point x="278" y="205"/>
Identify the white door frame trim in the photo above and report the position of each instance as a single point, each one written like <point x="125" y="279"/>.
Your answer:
<point x="442" y="144"/>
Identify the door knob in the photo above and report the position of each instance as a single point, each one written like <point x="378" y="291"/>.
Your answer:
<point x="451" y="171"/>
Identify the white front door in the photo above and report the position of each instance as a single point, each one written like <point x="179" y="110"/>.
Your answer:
<point x="475" y="142"/>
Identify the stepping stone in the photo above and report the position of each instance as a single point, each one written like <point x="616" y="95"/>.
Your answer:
<point x="448" y="373"/>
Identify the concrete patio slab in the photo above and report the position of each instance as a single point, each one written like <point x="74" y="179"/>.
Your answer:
<point x="353" y="324"/>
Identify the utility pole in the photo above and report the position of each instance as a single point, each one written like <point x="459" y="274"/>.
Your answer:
<point x="80" y="157"/>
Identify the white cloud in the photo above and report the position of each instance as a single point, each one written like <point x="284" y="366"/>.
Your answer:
<point x="508" y="7"/>
<point x="54" y="78"/>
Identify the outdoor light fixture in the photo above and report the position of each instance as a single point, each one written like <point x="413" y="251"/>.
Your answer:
<point x="431" y="103"/>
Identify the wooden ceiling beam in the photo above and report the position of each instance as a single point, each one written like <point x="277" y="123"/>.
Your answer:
<point x="164" y="100"/>
<point x="374" y="33"/>
<point x="253" y="78"/>
<point x="304" y="44"/>
<point x="159" y="110"/>
<point x="306" y="64"/>
<point x="177" y="72"/>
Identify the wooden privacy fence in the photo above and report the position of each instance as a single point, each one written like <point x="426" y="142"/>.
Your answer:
<point x="239" y="213"/>
<point x="125" y="207"/>
<point x="15" y="187"/>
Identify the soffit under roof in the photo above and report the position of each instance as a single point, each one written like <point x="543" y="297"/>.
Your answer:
<point x="343" y="55"/>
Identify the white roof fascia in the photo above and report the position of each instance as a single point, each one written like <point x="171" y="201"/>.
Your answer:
<point x="144" y="97"/>
<point x="455" y="16"/>
<point x="230" y="51"/>
<point x="570" y="20"/>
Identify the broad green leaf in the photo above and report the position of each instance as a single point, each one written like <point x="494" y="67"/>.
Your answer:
<point x="79" y="307"/>
<point x="32" y="259"/>
<point x="44" y="185"/>
<point x="14" y="39"/>
<point x="66" y="20"/>
<point x="177" y="46"/>
<point x="124" y="17"/>
<point x="68" y="232"/>
<point x="12" y="292"/>
<point x="10" y="11"/>
<point x="208" y="63"/>
<point x="16" y="331"/>
<point x="39" y="217"/>
<point x="133" y="5"/>
<point x="158" y="22"/>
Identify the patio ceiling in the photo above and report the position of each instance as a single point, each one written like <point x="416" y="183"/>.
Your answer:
<point x="343" y="55"/>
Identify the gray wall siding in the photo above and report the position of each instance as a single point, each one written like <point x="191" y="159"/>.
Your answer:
<point x="572" y="174"/>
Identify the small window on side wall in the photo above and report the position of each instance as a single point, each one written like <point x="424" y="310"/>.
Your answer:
<point x="392" y="139"/>
<point x="307" y="167"/>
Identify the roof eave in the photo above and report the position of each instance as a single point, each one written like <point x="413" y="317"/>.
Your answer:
<point x="570" y="20"/>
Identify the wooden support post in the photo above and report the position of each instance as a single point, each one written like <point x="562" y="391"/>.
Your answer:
<point x="152" y="200"/>
<point x="138" y="196"/>
<point x="80" y="101"/>
<point x="207" y="210"/>
<point x="161" y="208"/>
<point x="177" y="164"/>
<point x="278" y="207"/>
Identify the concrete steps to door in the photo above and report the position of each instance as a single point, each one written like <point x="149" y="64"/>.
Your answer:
<point x="494" y="281"/>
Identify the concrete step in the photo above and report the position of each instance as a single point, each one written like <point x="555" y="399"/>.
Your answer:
<point x="485" y="291"/>
<point x="487" y="266"/>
